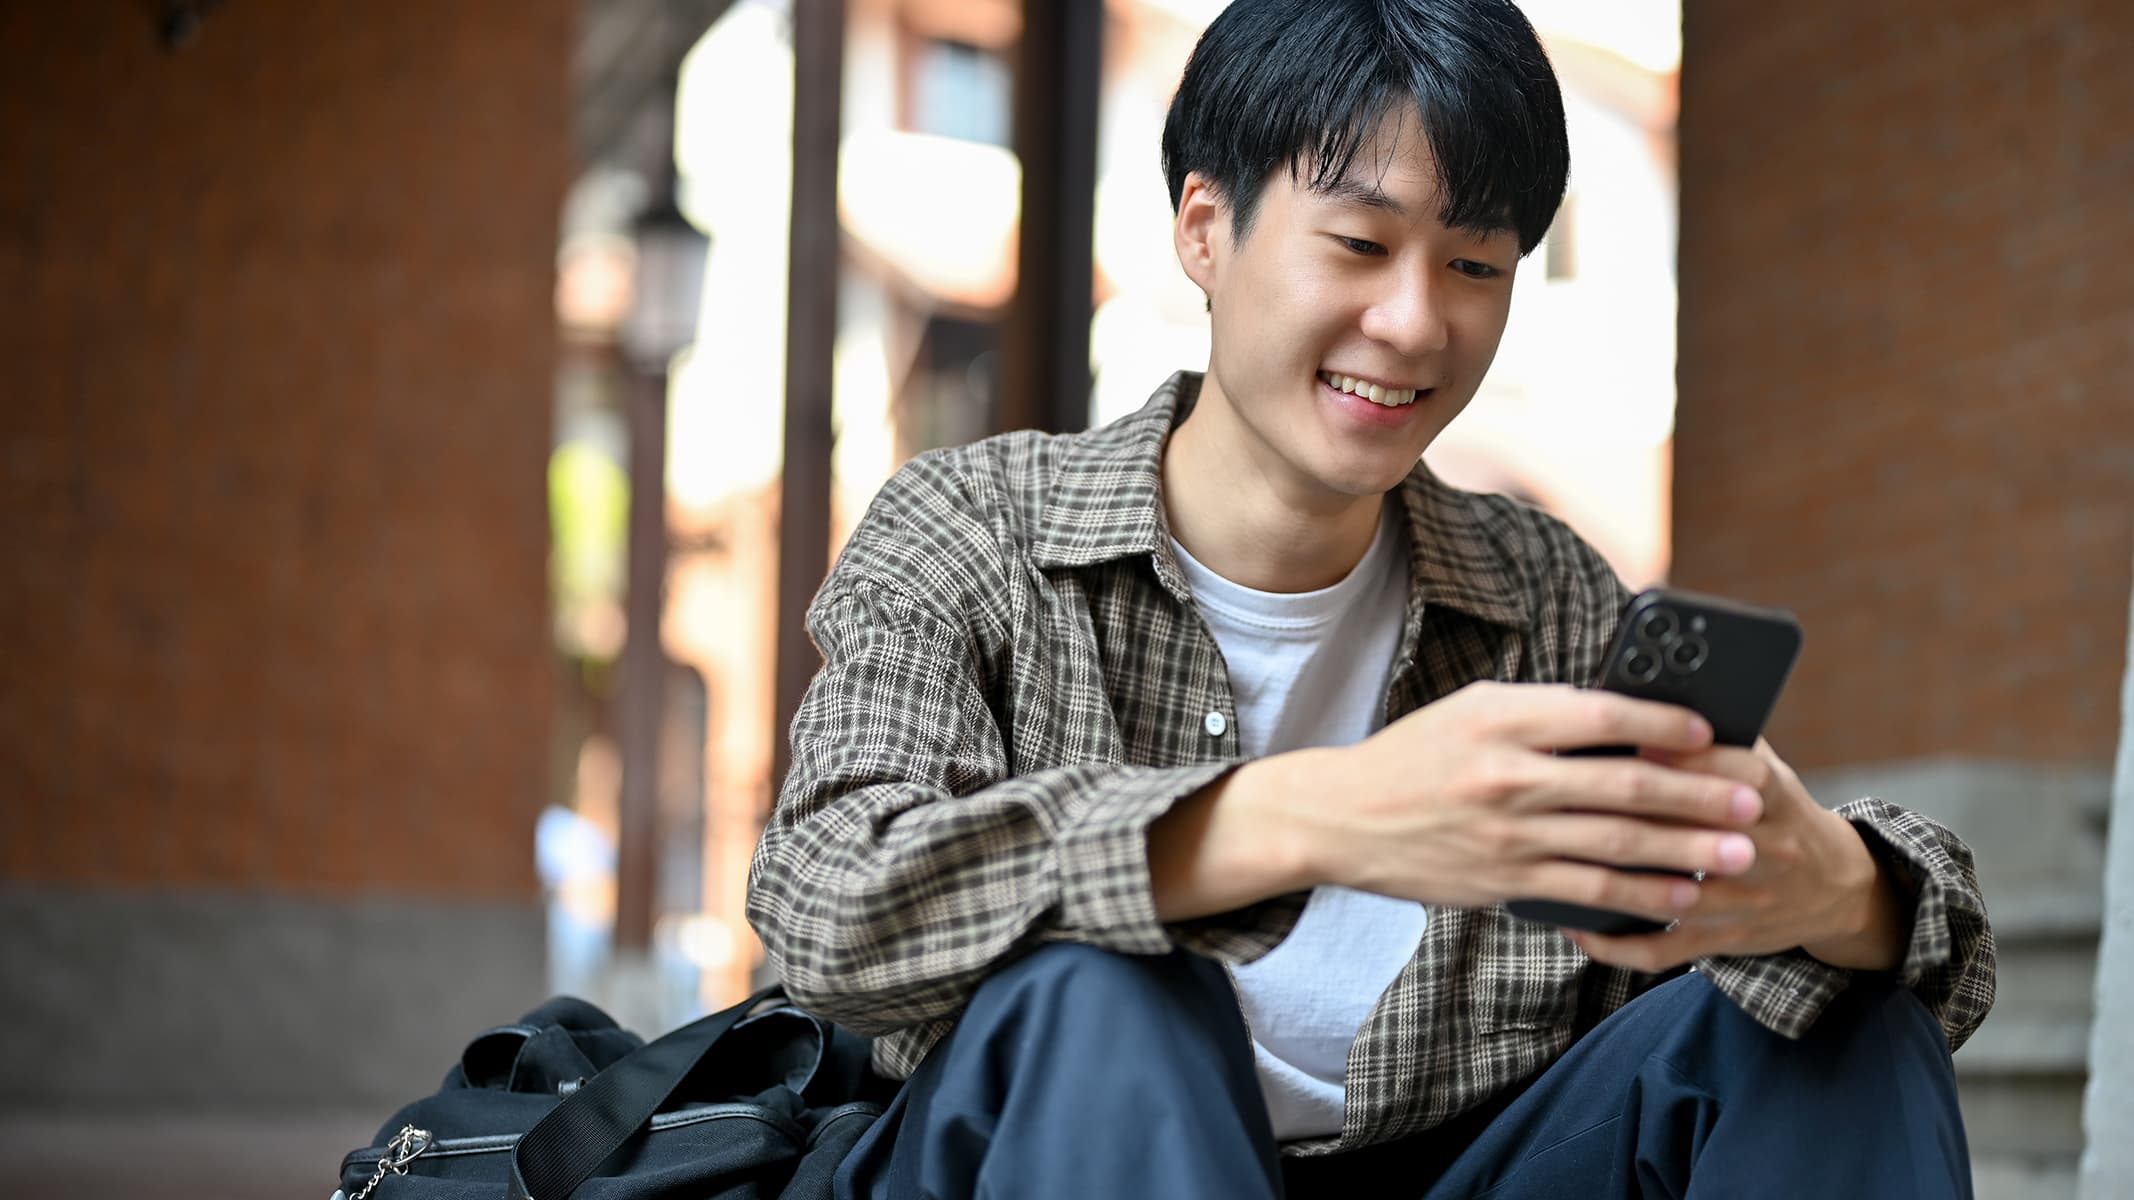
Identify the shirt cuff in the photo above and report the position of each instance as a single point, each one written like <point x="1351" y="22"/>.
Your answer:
<point x="1910" y="846"/>
<point x="1784" y="993"/>
<point x="1106" y="898"/>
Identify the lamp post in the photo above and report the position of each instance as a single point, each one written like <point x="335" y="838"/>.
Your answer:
<point x="661" y="323"/>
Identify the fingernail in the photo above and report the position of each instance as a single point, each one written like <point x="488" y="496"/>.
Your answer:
<point x="1747" y="805"/>
<point x="1700" y="730"/>
<point x="1682" y="895"/>
<point x="1736" y="852"/>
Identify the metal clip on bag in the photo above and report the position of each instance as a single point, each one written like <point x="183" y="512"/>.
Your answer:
<point x="759" y="1101"/>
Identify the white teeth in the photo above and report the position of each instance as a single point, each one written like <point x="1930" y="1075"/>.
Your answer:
<point x="1384" y="397"/>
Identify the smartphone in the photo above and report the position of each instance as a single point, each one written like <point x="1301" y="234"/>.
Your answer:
<point x="1724" y="660"/>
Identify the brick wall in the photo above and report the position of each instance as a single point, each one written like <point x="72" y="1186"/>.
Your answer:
<point x="279" y="340"/>
<point x="1907" y="363"/>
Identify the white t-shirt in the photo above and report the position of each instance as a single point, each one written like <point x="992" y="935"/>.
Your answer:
<point x="1310" y="669"/>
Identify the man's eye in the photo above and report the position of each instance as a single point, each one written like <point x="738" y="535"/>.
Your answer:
<point x="1361" y="246"/>
<point x="1475" y="270"/>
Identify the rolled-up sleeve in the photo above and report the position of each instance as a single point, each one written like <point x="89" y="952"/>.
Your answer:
<point x="903" y="863"/>
<point x="1948" y="960"/>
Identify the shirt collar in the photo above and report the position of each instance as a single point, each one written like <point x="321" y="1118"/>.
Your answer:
<point x="1106" y="503"/>
<point x="1107" y="491"/>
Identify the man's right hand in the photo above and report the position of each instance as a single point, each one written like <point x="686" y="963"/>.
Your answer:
<point x="1465" y="803"/>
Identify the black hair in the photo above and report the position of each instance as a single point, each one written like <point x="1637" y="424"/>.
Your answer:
<point x="1305" y="83"/>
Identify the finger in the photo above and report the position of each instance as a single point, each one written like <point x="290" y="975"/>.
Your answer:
<point x="1630" y="842"/>
<point x="1733" y="763"/>
<point x="1558" y="717"/>
<point x="1661" y="898"/>
<point x="1651" y="953"/>
<point x="1645" y="789"/>
<point x="1781" y="770"/>
<point x="1734" y="903"/>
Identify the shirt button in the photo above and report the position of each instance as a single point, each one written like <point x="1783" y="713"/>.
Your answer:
<point x="1217" y="724"/>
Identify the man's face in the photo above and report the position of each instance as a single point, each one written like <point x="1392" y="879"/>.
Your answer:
<point x="1357" y="284"/>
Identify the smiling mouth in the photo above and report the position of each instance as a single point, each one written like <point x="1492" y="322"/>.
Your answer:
<point x="1384" y="397"/>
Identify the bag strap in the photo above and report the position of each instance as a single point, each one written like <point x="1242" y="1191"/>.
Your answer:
<point x="592" y="1123"/>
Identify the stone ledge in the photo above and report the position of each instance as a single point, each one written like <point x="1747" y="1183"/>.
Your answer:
<point x="2012" y="1045"/>
<point x="165" y="1000"/>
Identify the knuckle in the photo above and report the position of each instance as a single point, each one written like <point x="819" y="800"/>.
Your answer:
<point x="1489" y="693"/>
<point x="1636" y="785"/>
<point x="1497" y="778"/>
<point x="1655" y="789"/>
<point x="1502" y="839"/>
<point x="1598" y="890"/>
<point x="1590" y="707"/>
<point x="1478" y="707"/>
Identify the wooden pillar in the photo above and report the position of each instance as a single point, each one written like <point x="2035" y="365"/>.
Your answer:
<point x="811" y="335"/>
<point x="1059" y="65"/>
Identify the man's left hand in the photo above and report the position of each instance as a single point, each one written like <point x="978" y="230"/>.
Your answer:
<point x="1813" y="885"/>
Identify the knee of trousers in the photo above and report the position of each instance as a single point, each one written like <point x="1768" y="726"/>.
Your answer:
<point x="1872" y="1026"/>
<point x="1088" y="975"/>
<point x="1067" y="990"/>
<point x="1878" y="1011"/>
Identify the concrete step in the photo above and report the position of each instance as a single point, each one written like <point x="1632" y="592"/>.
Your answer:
<point x="2024" y="1178"/>
<point x="248" y="1155"/>
<point x="2020" y="1078"/>
<point x="2031" y="1116"/>
<point x="2045" y="995"/>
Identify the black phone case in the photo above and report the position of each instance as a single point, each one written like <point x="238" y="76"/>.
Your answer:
<point x="1724" y="660"/>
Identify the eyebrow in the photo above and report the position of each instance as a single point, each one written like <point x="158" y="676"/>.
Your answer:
<point x="1355" y="193"/>
<point x="1359" y="194"/>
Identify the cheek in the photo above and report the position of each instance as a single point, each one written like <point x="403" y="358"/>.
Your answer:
<point x="1481" y="331"/>
<point x="1310" y="284"/>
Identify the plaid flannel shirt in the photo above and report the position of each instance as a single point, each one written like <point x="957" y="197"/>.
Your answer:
<point x="1016" y="683"/>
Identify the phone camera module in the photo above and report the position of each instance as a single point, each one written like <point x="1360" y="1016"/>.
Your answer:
<point x="1659" y="625"/>
<point x="1641" y="665"/>
<point x="1688" y="654"/>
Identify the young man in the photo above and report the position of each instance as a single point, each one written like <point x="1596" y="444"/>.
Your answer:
<point x="1161" y="786"/>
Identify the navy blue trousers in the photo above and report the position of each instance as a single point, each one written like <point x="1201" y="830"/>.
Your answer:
<point x="1080" y="1073"/>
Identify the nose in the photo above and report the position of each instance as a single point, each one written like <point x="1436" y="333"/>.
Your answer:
<point x="1407" y="315"/>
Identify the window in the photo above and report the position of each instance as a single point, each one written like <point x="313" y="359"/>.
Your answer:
<point x="960" y="91"/>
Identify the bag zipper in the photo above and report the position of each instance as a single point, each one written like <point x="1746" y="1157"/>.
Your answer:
<point x="494" y="1143"/>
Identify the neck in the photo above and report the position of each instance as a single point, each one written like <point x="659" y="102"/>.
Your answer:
<point x="1235" y="510"/>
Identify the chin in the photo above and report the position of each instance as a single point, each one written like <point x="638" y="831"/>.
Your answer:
<point x="1376" y="480"/>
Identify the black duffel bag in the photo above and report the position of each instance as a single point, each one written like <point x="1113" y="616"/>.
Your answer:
<point x="761" y="1100"/>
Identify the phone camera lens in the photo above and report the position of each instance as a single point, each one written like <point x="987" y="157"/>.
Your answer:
<point x="1688" y="654"/>
<point x="1641" y="665"/>
<point x="1659" y="624"/>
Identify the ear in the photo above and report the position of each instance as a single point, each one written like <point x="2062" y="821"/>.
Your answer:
<point x="1200" y="231"/>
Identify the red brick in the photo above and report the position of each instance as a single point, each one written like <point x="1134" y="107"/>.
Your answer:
<point x="1905" y="366"/>
<point x="279" y="322"/>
